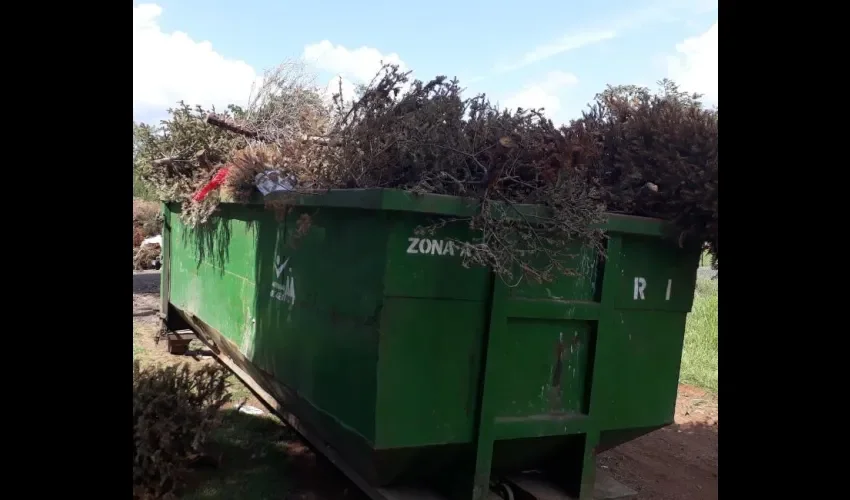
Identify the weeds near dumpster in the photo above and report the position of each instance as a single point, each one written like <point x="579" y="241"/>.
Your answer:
<point x="700" y="352"/>
<point x="174" y="410"/>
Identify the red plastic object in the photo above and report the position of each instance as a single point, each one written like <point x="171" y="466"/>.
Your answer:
<point x="216" y="181"/>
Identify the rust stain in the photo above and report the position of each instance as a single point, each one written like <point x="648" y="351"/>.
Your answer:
<point x="559" y="362"/>
<point x="470" y="392"/>
<point x="557" y="372"/>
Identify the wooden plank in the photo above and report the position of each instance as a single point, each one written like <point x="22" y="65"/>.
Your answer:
<point x="180" y="335"/>
<point x="165" y="270"/>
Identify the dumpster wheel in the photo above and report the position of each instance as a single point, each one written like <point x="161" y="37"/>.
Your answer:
<point x="502" y="489"/>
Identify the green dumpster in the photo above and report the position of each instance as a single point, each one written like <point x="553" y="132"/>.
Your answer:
<point x="417" y="376"/>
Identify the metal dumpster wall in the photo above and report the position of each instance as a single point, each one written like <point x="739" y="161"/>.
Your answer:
<point x="433" y="322"/>
<point x="212" y="271"/>
<point x="565" y="359"/>
<point x="273" y="289"/>
<point x="319" y="303"/>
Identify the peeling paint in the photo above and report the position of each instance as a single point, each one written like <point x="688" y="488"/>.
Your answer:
<point x="557" y="374"/>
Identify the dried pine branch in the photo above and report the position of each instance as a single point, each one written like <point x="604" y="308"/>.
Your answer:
<point x="633" y="152"/>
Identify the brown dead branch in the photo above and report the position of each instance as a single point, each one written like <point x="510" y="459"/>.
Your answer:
<point x="230" y="126"/>
<point x="164" y="161"/>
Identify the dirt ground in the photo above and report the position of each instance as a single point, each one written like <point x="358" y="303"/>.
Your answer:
<point x="678" y="462"/>
<point x="145" y="324"/>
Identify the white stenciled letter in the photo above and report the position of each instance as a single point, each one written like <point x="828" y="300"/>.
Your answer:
<point x="437" y="247"/>
<point x="640" y="286"/>
<point x="449" y="249"/>
<point x="278" y="267"/>
<point x="289" y="291"/>
<point x="412" y="248"/>
<point x="669" y="289"/>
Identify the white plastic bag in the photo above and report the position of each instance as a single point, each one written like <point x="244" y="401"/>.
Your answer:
<point x="270" y="182"/>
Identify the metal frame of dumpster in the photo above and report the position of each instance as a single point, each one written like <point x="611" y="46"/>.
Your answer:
<point x="492" y="428"/>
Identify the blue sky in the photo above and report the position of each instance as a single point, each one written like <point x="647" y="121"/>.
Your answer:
<point x="542" y="53"/>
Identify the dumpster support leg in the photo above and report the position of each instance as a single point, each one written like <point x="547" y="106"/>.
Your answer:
<point x="486" y="412"/>
<point x="483" y="463"/>
<point x="165" y="270"/>
<point x="588" y="466"/>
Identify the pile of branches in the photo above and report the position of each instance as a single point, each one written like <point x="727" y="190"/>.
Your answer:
<point x="147" y="257"/>
<point x="183" y="153"/>
<point x="654" y="154"/>
<point x="633" y="151"/>
<point x="147" y="220"/>
<point x="174" y="410"/>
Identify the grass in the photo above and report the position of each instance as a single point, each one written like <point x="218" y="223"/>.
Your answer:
<point x="256" y="451"/>
<point x="705" y="259"/>
<point x="699" y="356"/>
<point x="139" y="350"/>
<point x="256" y="461"/>
<point x="238" y="391"/>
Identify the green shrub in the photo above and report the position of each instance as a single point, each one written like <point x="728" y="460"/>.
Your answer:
<point x="699" y="356"/>
<point x="174" y="410"/>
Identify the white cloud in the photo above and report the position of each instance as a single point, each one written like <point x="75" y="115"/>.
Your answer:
<point x="564" y="44"/>
<point x="694" y="67"/>
<point x="340" y="84"/>
<point x="168" y="67"/>
<point x="360" y="64"/>
<point x="543" y="94"/>
<point x="352" y="66"/>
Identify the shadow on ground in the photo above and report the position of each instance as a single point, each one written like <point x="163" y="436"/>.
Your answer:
<point x="261" y="459"/>
<point x="647" y="463"/>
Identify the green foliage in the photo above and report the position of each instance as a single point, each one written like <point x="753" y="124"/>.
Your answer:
<point x="700" y="352"/>
<point x="174" y="410"/>
<point x="142" y="189"/>
<point x="183" y="153"/>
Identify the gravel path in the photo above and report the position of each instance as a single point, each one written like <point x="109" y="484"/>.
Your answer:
<point x="706" y="273"/>
<point x="146" y="281"/>
<point x="146" y="296"/>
